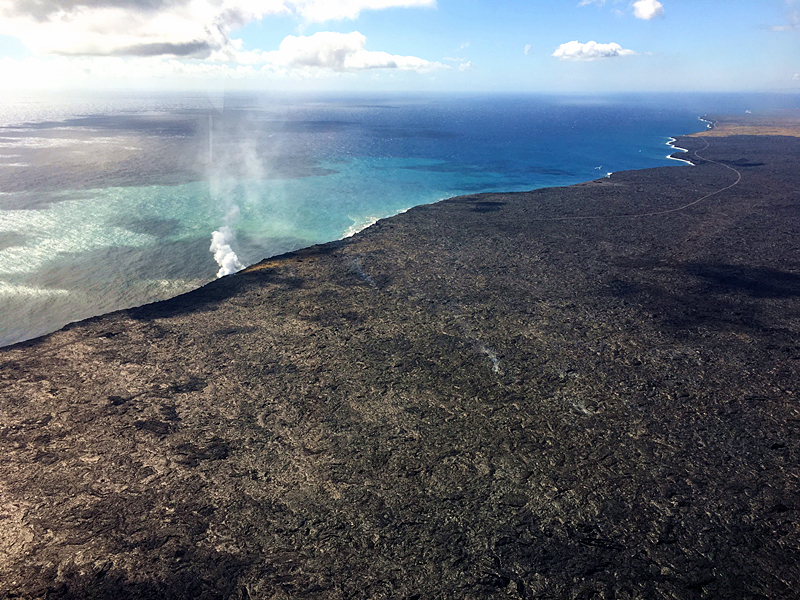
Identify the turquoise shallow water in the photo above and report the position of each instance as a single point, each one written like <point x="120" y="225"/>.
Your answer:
<point x="114" y="203"/>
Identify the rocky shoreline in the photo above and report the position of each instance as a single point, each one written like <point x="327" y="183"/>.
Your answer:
<point x="528" y="395"/>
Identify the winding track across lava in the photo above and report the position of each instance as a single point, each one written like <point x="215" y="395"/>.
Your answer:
<point x="659" y="212"/>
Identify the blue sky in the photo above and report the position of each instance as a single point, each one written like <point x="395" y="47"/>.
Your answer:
<point x="585" y="46"/>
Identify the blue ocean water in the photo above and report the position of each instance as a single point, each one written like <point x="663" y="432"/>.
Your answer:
<point x="107" y="203"/>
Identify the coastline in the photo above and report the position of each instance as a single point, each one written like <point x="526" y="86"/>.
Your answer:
<point x="115" y="275"/>
<point x="671" y="143"/>
<point x="673" y="140"/>
<point x="489" y="396"/>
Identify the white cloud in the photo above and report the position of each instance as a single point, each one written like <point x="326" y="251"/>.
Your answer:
<point x="324" y="54"/>
<point x="527" y="49"/>
<point x="793" y="25"/>
<point x="648" y="9"/>
<point x="335" y="10"/>
<point x="590" y="51"/>
<point x="189" y="28"/>
<point x="341" y="52"/>
<point x="185" y="28"/>
<point x="587" y="2"/>
<point x="463" y="63"/>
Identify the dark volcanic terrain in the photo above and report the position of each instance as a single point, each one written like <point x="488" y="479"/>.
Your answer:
<point x="529" y="395"/>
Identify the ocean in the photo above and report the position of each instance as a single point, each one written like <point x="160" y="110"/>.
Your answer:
<point x="109" y="202"/>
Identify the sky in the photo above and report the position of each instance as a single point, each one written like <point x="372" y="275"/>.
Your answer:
<point x="547" y="46"/>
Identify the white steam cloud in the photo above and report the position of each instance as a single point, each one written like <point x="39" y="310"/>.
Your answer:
<point x="648" y="9"/>
<point x="223" y="253"/>
<point x="575" y="50"/>
<point x="235" y="172"/>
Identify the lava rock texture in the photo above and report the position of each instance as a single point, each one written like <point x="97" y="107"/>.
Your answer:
<point x="581" y="392"/>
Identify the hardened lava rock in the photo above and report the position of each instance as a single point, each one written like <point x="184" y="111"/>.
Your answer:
<point x="582" y="392"/>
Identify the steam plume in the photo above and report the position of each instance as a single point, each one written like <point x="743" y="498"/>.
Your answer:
<point x="223" y="253"/>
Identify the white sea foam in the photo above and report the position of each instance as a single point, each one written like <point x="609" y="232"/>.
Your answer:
<point x="671" y="144"/>
<point x="65" y="227"/>
<point x="368" y="221"/>
<point x="44" y="142"/>
<point x="36" y="142"/>
<point x="359" y="225"/>
<point x="8" y="290"/>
